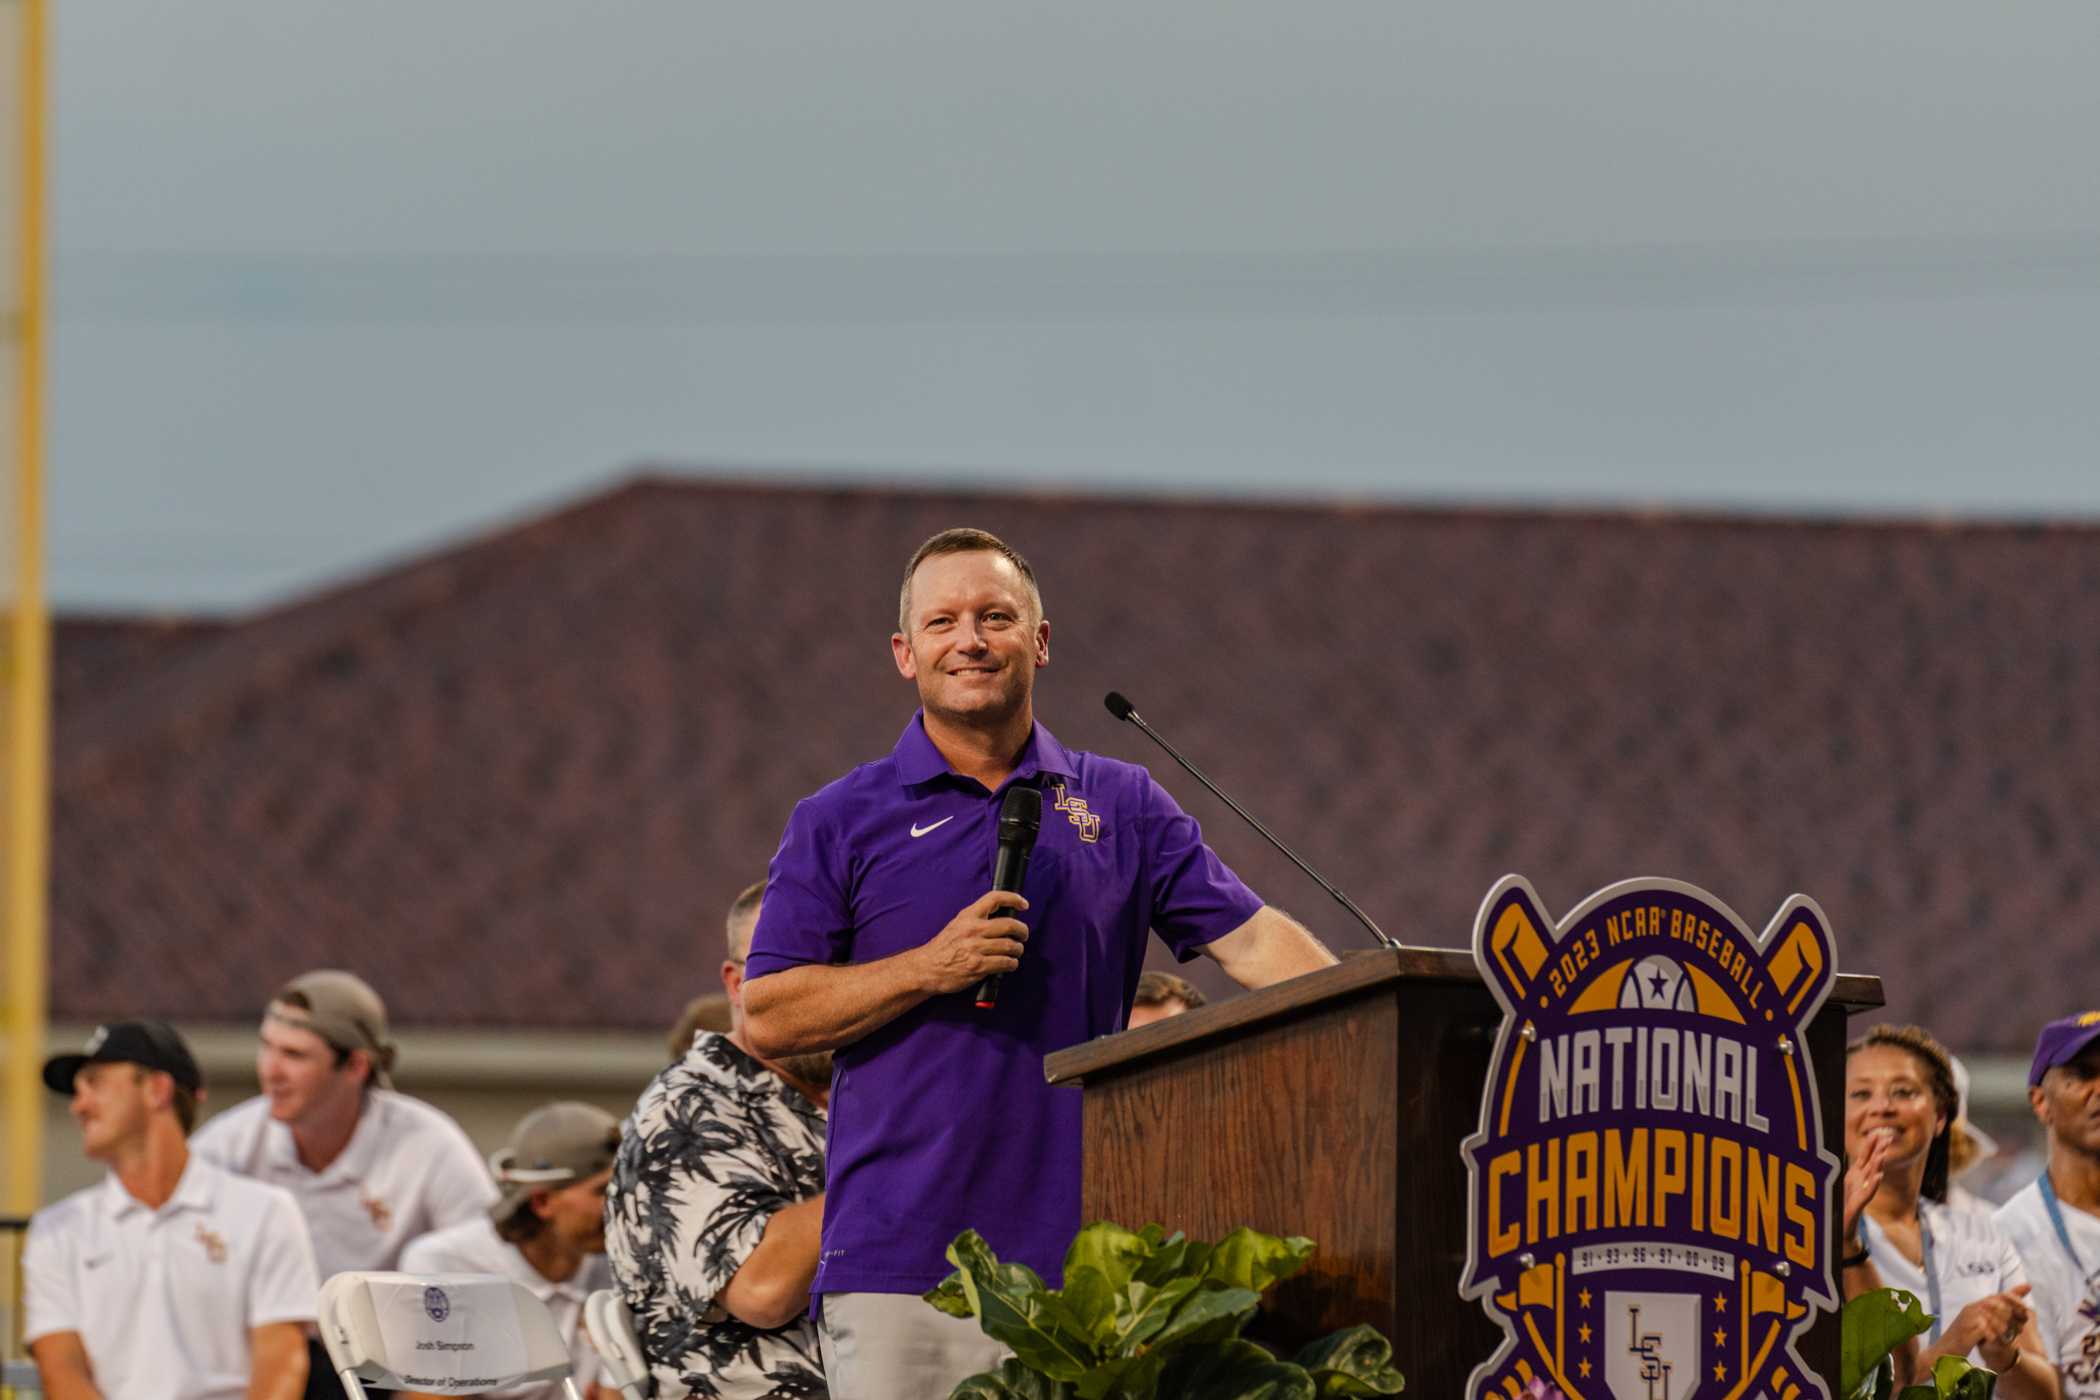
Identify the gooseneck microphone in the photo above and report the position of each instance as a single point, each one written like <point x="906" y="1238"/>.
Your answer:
<point x="1122" y="709"/>
<point x="1020" y="818"/>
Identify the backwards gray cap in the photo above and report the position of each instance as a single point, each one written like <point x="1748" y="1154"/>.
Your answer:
<point x="556" y="1145"/>
<point x="342" y="1009"/>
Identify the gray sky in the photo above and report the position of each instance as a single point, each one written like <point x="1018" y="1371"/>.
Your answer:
<point x="335" y="282"/>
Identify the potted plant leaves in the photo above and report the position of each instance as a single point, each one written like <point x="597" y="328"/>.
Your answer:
<point x="1875" y="1324"/>
<point x="1144" y="1315"/>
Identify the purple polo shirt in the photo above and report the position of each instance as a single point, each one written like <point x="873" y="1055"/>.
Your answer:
<point x="940" y="1120"/>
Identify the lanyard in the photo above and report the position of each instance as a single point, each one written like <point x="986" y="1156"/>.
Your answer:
<point x="2091" y="1281"/>
<point x="1932" y="1276"/>
<point x="2056" y="1218"/>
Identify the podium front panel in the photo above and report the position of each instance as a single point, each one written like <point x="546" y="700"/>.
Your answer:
<point x="1321" y="1125"/>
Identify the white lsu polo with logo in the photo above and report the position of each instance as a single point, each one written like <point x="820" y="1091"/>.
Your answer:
<point x="163" y="1300"/>
<point x="2065" y="1272"/>
<point x="474" y="1247"/>
<point x="407" y="1170"/>
<point x="1971" y="1259"/>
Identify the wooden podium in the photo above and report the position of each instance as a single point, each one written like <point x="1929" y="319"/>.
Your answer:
<point x="1334" y="1106"/>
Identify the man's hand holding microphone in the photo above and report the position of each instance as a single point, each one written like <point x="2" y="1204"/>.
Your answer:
<point x="983" y="940"/>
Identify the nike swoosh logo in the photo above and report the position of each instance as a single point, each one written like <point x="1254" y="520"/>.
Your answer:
<point x="97" y="1262"/>
<point x="918" y="830"/>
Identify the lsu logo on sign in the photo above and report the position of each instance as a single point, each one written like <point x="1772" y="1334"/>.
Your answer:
<point x="1649" y="1183"/>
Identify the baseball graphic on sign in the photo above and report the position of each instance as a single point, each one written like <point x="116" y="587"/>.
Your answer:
<point x="1659" y="984"/>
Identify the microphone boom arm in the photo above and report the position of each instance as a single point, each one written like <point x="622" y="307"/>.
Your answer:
<point x="1122" y="709"/>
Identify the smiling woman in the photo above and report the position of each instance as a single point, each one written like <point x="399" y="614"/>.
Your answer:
<point x="1900" y="1106"/>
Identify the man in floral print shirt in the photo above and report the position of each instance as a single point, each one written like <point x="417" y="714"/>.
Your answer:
<point x="715" y="1208"/>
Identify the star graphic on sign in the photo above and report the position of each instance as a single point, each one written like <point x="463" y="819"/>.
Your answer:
<point x="1655" y="983"/>
<point x="1582" y="1368"/>
<point x="1583" y="1297"/>
<point x="1720" y="1372"/>
<point x="1720" y="1302"/>
<point x="1720" y="1336"/>
<point x="1582" y="1333"/>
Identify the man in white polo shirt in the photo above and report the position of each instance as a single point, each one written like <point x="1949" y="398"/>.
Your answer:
<point x="547" y="1229"/>
<point x="2055" y="1222"/>
<point x="172" y="1280"/>
<point x="371" y="1169"/>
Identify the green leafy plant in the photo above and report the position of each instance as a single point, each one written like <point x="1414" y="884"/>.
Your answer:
<point x="1145" y="1315"/>
<point x="1874" y="1325"/>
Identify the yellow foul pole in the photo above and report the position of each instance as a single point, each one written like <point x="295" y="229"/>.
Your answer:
<point x="28" y="640"/>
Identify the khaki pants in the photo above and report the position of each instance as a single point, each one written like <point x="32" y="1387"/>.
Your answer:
<point x="895" y="1346"/>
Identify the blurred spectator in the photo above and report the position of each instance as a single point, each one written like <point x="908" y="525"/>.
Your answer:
<point x="371" y="1169"/>
<point x="546" y="1231"/>
<point x="1160" y="995"/>
<point x="705" y="1013"/>
<point x="1900" y="1106"/>
<point x="2055" y="1221"/>
<point x="716" y="1206"/>
<point x="1968" y="1146"/>
<point x="172" y="1280"/>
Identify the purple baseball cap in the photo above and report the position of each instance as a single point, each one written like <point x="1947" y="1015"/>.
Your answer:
<point x="2060" y="1042"/>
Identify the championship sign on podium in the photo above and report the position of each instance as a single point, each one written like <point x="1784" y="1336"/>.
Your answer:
<point x="1649" y="1182"/>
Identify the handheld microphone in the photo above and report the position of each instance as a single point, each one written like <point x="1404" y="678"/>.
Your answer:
<point x="1020" y="818"/>
<point x="1122" y="709"/>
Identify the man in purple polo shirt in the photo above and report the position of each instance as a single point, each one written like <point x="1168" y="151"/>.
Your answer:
<point x="879" y="920"/>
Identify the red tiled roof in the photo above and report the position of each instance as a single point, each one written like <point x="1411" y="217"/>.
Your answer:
<point x="96" y="655"/>
<point x="515" y="783"/>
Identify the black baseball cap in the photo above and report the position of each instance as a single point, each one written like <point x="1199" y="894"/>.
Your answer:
<point x="150" y="1044"/>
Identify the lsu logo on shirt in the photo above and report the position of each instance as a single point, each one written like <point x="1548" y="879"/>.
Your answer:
<point x="1075" y="810"/>
<point x="1649" y="1181"/>
<point x="2080" y="1357"/>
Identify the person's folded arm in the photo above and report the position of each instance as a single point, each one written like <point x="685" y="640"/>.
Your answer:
<point x="771" y="1287"/>
<point x="739" y="1239"/>
<point x="62" y="1367"/>
<point x="277" y="1361"/>
<point x="803" y="1009"/>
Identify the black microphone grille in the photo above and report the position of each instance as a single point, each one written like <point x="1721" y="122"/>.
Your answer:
<point x="1117" y="705"/>
<point x="1023" y="807"/>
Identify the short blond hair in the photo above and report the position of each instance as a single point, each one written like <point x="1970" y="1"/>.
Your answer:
<point x="742" y="918"/>
<point x="963" y="539"/>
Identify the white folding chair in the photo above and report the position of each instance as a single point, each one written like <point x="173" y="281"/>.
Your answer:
<point x="611" y="1330"/>
<point x="448" y="1334"/>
